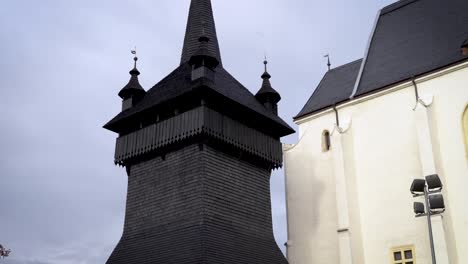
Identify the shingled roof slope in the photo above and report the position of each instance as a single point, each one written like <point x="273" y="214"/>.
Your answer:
<point x="335" y="87"/>
<point x="414" y="37"/>
<point x="200" y="22"/>
<point x="179" y="82"/>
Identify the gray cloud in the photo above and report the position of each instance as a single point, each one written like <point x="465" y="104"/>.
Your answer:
<point x="63" y="63"/>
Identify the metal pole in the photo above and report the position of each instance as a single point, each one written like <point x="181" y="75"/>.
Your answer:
<point x="429" y="224"/>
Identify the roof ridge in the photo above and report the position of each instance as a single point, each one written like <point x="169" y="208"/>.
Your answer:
<point x="267" y="114"/>
<point x="366" y="54"/>
<point x="397" y="5"/>
<point x="346" y="64"/>
<point x="329" y="91"/>
<point x="330" y="71"/>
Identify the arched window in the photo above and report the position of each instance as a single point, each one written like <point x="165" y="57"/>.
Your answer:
<point x="465" y="129"/>
<point x="326" y="141"/>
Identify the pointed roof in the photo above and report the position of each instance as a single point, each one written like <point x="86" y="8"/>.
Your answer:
<point x="133" y="87"/>
<point x="266" y="89"/>
<point x="200" y="22"/>
<point x="413" y="38"/>
<point x="179" y="83"/>
<point x="336" y="86"/>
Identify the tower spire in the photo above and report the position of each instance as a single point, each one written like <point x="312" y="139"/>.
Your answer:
<point x="200" y="23"/>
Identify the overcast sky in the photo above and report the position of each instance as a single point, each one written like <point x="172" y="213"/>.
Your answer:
<point x="62" y="199"/>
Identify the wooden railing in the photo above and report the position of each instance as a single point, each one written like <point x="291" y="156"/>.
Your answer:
<point x="199" y="121"/>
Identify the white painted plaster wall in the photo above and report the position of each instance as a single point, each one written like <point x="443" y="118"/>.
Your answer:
<point x="311" y="199"/>
<point x="381" y="157"/>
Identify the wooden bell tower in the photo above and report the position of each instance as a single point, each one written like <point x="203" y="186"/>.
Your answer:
<point x="199" y="149"/>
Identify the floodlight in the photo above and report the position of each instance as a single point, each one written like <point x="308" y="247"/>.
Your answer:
<point x="430" y="188"/>
<point x="417" y="187"/>
<point x="436" y="203"/>
<point x="433" y="183"/>
<point x="419" y="208"/>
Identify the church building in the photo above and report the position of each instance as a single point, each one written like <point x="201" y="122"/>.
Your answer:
<point x="369" y="129"/>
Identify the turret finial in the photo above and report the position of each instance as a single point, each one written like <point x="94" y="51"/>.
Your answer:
<point x="328" y="58"/>
<point x="133" y="89"/>
<point x="266" y="75"/>
<point x="134" y="71"/>
<point x="135" y="58"/>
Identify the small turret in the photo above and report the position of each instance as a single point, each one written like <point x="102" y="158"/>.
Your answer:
<point x="133" y="92"/>
<point x="268" y="96"/>
<point x="203" y="61"/>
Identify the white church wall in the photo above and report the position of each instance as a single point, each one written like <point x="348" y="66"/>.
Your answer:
<point x="450" y="93"/>
<point x="386" y="162"/>
<point x="381" y="158"/>
<point x="352" y="191"/>
<point x="311" y="200"/>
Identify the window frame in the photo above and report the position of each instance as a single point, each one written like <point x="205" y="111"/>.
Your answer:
<point x="402" y="250"/>
<point x="326" y="141"/>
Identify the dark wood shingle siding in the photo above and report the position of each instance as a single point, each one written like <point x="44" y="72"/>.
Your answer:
<point x="199" y="156"/>
<point x="198" y="206"/>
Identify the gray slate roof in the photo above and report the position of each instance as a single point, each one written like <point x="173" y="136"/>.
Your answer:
<point x="414" y="37"/>
<point x="335" y="87"/>
<point x="411" y="38"/>
<point x="267" y="89"/>
<point x="179" y="82"/>
<point x="200" y="20"/>
<point x="133" y="87"/>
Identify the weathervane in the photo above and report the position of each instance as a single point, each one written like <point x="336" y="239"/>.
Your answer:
<point x="328" y="64"/>
<point x="4" y="252"/>
<point x="134" y="52"/>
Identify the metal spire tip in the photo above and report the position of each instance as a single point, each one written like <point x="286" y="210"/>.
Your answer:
<point x="328" y="63"/>
<point x="135" y="58"/>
